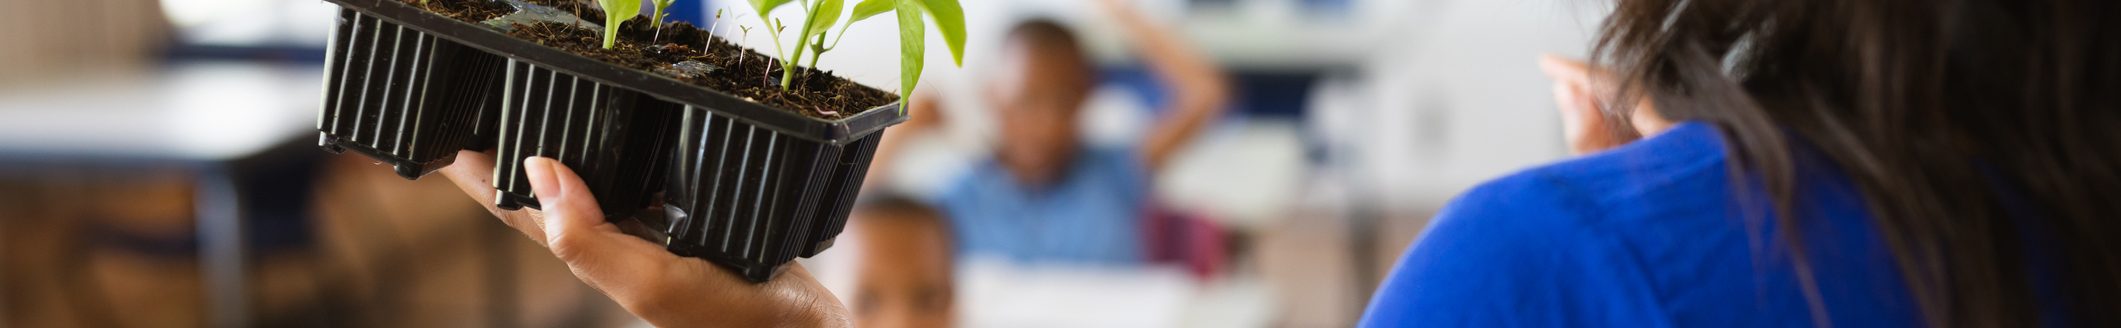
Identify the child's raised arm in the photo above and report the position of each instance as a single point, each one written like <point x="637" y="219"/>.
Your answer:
<point x="1198" y="89"/>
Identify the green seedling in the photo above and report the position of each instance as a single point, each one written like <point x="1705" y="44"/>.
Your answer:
<point x="617" y="12"/>
<point x="746" y="39"/>
<point x="658" y="13"/>
<point x="822" y="15"/>
<point x="711" y="30"/>
<point x="862" y="11"/>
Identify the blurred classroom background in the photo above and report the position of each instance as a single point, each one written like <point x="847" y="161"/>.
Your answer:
<point x="158" y="166"/>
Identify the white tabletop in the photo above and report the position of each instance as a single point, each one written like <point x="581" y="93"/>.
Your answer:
<point x="183" y="112"/>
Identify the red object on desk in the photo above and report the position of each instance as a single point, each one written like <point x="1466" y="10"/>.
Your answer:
<point x="1183" y="239"/>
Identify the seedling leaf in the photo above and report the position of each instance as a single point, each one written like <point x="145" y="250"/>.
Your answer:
<point x="824" y="16"/>
<point x="870" y="8"/>
<point x="765" y="7"/>
<point x="615" y="13"/>
<point x="658" y="14"/>
<point x="912" y="46"/>
<point x="950" y="22"/>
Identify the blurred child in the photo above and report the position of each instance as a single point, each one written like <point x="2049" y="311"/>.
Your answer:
<point x="903" y="265"/>
<point x="1043" y="196"/>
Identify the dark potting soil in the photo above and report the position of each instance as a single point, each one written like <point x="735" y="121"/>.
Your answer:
<point x="675" y="50"/>
<point x="469" y="11"/>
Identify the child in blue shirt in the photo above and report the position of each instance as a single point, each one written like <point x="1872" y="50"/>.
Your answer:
<point x="1044" y="196"/>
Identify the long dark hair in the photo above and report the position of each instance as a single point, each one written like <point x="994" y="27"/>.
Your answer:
<point x="1984" y="135"/>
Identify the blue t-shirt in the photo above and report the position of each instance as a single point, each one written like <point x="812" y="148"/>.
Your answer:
<point x="1646" y="235"/>
<point x="1091" y="215"/>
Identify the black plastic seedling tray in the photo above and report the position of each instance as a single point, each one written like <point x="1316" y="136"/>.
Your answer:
<point x="742" y="185"/>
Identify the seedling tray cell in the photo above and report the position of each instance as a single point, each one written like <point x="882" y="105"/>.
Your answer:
<point x="743" y="185"/>
<point x="403" y="96"/>
<point x="614" y="138"/>
<point x="753" y="198"/>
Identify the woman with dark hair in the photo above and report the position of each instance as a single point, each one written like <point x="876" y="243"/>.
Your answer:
<point x="1833" y="163"/>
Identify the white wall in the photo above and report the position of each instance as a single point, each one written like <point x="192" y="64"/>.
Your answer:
<point x="1456" y="99"/>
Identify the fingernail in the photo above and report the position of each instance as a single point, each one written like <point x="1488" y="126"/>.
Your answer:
<point x="540" y="171"/>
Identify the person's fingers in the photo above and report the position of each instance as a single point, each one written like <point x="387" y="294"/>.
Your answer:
<point x="1583" y="123"/>
<point x="1565" y="69"/>
<point x="1591" y="86"/>
<point x="1600" y="86"/>
<point x="473" y="172"/>
<point x="1647" y="120"/>
<point x="623" y="266"/>
<point x="1580" y="120"/>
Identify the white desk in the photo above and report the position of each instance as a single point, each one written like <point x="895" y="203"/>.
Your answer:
<point x="187" y="112"/>
<point x="994" y="294"/>
<point x="204" y="117"/>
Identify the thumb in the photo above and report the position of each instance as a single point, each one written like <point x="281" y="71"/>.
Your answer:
<point x="563" y="197"/>
<point x="575" y="229"/>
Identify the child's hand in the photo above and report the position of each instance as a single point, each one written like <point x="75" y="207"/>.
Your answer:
<point x="662" y="288"/>
<point x="1582" y="92"/>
